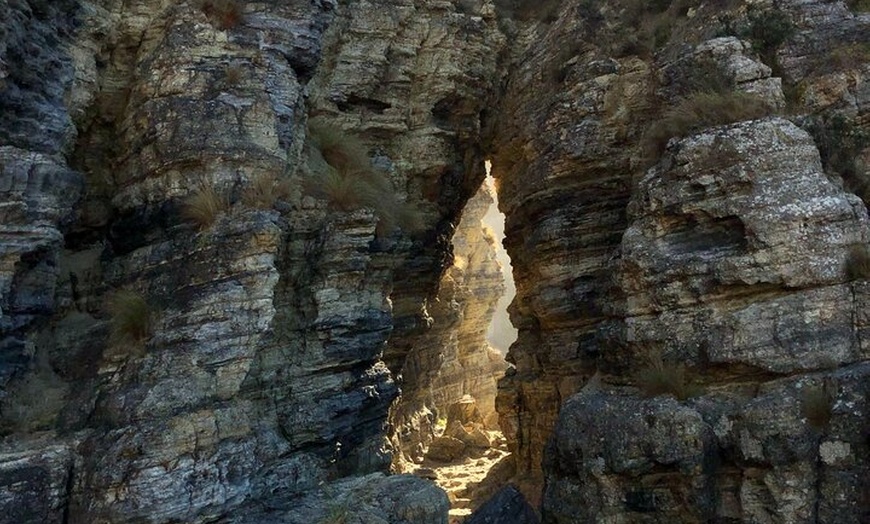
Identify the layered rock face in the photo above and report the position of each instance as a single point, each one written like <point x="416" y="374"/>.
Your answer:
<point x="750" y="447"/>
<point x="261" y="373"/>
<point x="197" y="325"/>
<point x="563" y="161"/>
<point x="475" y="284"/>
<point x="731" y="256"/>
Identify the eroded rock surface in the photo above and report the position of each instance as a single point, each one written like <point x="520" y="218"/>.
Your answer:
<point x="371" y="499"/>
<point x="729" y="456"/>
<point x="506" y="507"/>
<point x="281" y="332"/>
<point x="262" y="374"/>
<point x="758" y="233"/>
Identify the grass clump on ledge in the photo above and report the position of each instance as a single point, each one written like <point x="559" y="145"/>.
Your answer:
<point x="350" y="182"/>
<point x="700" y="111"/>
<point x="223" y="14"/>
<point x="666" y="378"/>
<point x="264" y="191"/>
<point x="204" y="205"/>
<point x="131" y="318"/>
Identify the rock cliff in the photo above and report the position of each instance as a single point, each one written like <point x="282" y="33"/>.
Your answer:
<point x="216" y="326"/>
<point x="238" y="274"/>
<point x="453" y="360"/>
<point x="722" y="266"/>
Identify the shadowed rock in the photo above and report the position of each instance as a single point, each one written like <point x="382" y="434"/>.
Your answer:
<point x="508" y="506"/>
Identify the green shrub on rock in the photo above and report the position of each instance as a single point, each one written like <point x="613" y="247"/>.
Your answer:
<point x="768" y="30"/>
<point x="840" y="143"/>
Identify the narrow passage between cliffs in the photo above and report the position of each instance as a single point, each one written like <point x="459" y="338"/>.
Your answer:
<point x="468" y="457"/>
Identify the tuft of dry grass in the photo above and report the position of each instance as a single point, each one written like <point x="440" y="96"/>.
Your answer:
<point x="858" y="262"/>
<point x="666" y="378"/>
<point x="223" y="14"/>
<point x="350" y="182"/>
<point x="817" y="406"/>
<point x="343" y="192"/>
<point x="233" y="75"/>
<point x="700" y="111"/>
<point x="131" y="318"/>
<point x="204" y="205"/>
<point x="341" y="150"/>
<point x="264" y="190"/>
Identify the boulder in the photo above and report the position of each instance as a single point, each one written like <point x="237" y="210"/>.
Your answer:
<point x="508" y="506"/>
<point x="446" y="449"/>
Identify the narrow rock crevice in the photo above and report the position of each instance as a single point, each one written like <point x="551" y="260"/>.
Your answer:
<point x="685" y="261"/>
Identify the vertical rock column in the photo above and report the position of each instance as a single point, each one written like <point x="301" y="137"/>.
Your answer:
<point x="563" y="154"/>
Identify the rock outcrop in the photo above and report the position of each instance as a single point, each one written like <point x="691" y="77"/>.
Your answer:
<point x="736" y="277"/>
<point x="259" y="370"/>
<point x="375" y="498"/>
<point x="506" y="507"/>
<point x="206" y="316"/>
<point x="752" y="445"/>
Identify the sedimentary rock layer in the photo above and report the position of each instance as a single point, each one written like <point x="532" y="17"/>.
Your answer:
<point x="729" y="254"/>
<point x="262" y="371"/>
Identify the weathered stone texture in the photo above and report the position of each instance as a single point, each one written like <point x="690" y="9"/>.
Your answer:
<point x="729" y="255"/>
<point x="282" y="336"/>
<point x="37" y="188"/>
<point x="371" y="499"/>
<point x="263" y="374"/>
<point x="741" y="211"/>
<point x="410" y="80"/>
<point x="34" y="482"/>
<point x="562" y="158"/>
<point x="469" y="365"/>
<point x="38" y="193"/>
<point x="506" y="507"/>
<point x="719" y="458"/>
